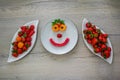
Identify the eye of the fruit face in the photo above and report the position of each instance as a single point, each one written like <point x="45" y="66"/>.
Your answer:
<point x="63" y="27"/>
<point x="55" y="28"/>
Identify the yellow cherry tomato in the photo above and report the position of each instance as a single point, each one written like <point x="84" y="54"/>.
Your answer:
<point x="20" y="45"/>
<point x="18" y="38"/>
<point x="63" y="27"/>
<point x="55" y="28"/>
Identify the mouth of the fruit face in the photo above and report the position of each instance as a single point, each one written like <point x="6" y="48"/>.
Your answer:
<point x="54" y="43"/>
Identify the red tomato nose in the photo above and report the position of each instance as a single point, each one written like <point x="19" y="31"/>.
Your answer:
<point x="59" y="35"/>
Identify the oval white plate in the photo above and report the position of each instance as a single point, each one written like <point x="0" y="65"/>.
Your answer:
<point x="47" y="33"/>
<point x="11" y="58"/>
<point x="109" y="60"/>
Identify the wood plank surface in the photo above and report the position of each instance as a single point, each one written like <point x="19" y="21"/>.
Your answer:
<point x="80" y="63"/>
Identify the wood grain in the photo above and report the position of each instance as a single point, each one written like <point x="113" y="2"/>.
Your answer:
<point x="80" y="63"/>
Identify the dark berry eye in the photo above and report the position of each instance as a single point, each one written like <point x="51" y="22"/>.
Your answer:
<point x="62" y="27"/>
<point x="55" y="28"/>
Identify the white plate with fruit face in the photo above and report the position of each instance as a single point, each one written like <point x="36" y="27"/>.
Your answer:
<point x="23" y="41"/>
<point x="59" y="36"/>
<point x="97" y="41"/>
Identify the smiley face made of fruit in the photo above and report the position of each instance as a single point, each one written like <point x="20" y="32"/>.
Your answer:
<point x="59" y="36"/>
<point x="59" y="28"/>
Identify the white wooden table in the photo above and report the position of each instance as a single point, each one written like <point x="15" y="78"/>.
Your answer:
<point x="80" y="63"/>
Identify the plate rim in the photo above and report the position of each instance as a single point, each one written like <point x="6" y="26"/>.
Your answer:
<point x="62" y="19"/>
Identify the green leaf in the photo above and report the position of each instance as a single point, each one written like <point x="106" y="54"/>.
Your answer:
<point x="27" y="45"/>
<point x="24" y="35"/>
<point x="14" y="51"/>
<point x="57" y="21"/>
<point x="62" y="21"/>
<point x="12" y="43"/>
<point x="53" y="23"/>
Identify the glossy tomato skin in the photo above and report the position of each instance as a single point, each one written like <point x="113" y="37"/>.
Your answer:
<point x="97" y="50"/>
<point x="109" y="49"/>
<point x="88" y="25"/>
<point x="32" y="27"/>
<point x="106" y="54"/>
<point x="14" y="54"/>
<point x="94" y="41"/>
<point x="20" y="51"/>
<point x="97" y="40"/>
<point x="103" y="46"/>
<point x="23" y="40"/>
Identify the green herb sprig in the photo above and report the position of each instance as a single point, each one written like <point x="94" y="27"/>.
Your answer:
<point x="56" y="21"/>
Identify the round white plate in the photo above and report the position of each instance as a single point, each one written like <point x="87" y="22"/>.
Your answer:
<point x="71" y="33"/>
<point x="11" y="58"/>
<point x="109" y="60"/>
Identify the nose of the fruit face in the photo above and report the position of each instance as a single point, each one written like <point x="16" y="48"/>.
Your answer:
<point x="59" y="35"/>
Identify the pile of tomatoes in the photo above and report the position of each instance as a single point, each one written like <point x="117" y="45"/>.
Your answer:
<point x="97" y="39"/>
<point x="23" y="40"/>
